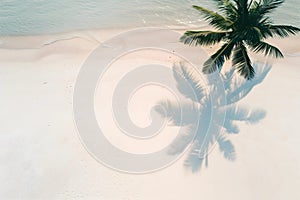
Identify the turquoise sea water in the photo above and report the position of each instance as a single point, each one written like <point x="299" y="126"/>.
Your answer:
<point x="30" y="17"/>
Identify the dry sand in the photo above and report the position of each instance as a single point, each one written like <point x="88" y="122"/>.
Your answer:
<point x="42" y="157"/>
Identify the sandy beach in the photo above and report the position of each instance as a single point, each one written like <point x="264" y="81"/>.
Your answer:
<point x="42" y="156"/>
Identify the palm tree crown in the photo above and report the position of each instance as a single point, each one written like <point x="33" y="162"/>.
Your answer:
<point x="240" y="24"/>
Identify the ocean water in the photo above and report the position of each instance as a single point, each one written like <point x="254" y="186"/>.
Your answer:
<point x="31" y="17"/>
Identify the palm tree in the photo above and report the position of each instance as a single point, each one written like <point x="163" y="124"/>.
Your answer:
<point x="240" y="24"/>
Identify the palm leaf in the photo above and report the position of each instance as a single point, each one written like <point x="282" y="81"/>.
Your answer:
<point x="242" y="63"/>
<point x="267" y="49"/>
<point x="263" y="25"/>
<point x="283" y="30"/>
<point x="202" y="37"/>
<point x="242" y="9"/>
<point x="263" y="7"/>
<point x="216" y="61"/>
<point x="253" y="34"/>
<point x="245" y="22"/>
<point x="266" y="6"/>
<point x="227" y="7"/>
<point x="214" y="19"/>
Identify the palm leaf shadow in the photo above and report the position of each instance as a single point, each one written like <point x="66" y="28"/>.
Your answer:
<point x="209" y="132"/>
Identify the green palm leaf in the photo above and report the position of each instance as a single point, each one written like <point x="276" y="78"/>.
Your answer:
<point x="254" y="34"/>
<point x="242" y="63"/>
<point x="241" y="22"/>
<point x="214" y="19"/>
<point x="283" y="30"/>
<point x="202" y="37"/>
<point x="266" y="6"/>
<point x="217" y="60"/>
<point x="228" y="8"/>
<point x="267" y="49"/>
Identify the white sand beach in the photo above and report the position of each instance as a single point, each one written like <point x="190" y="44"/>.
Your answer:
<point x="42" y="156"/>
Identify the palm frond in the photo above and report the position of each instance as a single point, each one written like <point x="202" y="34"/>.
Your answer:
<point x="243" y="22"/>
<point x="250" y="4"/>
<point x="263" y="7"/>
<point x="227" y="7"/>
<point x="242" y="62"/>
<point x="254" y="6"/>
<point x="216" y="61"/>
<point x="263" y="25"/>
<point x="202" y="37"/>
<point x="216" y="20"/>
<point x="267" y="49"/>
<point x="267" y="6"/>
<point x="242" y="8"/>
<point x="260" y="9"/>
<point x="188" y="82"/>
<point x="253" y="34"/>
<point x="283" y="30"/>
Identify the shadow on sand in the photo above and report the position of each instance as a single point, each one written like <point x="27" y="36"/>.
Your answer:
<point x="211" y="111"/>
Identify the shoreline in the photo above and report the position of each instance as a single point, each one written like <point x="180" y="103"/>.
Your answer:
<point x="100" y="35"/>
